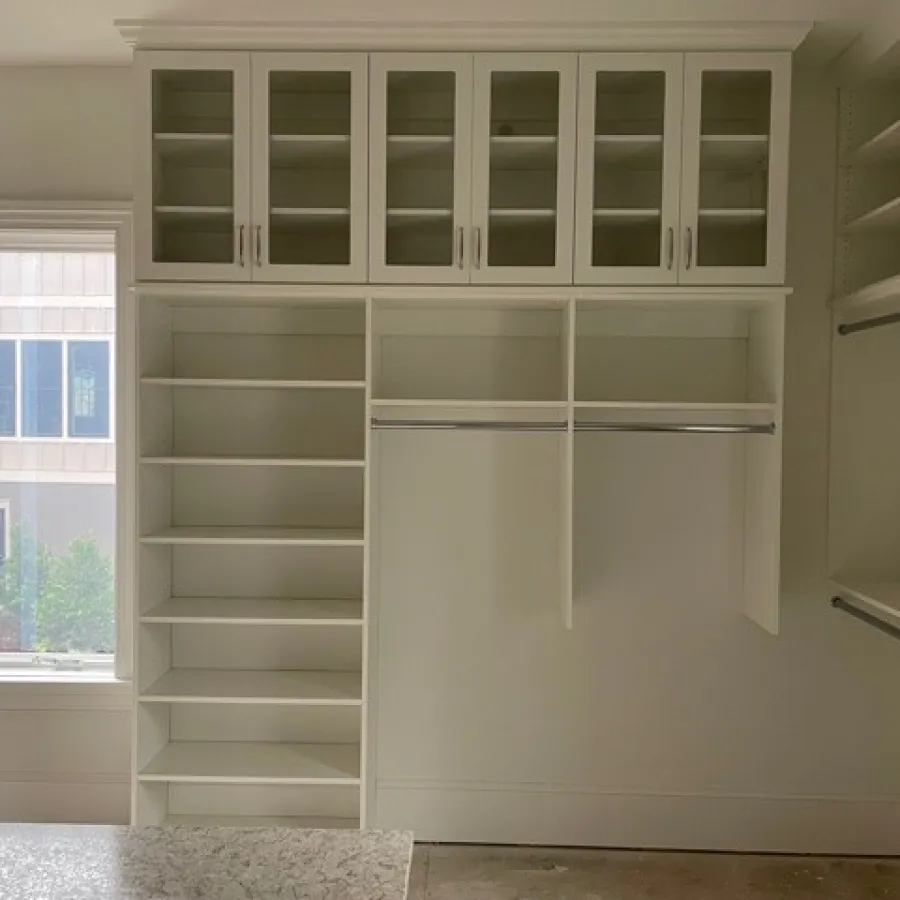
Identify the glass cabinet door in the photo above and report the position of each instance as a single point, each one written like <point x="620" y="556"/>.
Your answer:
<point x="523" y="167"/>
<point x="192" y="192"/>
<point x="629" y="168"/>
<point x="420" y="119"/>
<point x="310" y="167"/>
<point x="735" y="167"/>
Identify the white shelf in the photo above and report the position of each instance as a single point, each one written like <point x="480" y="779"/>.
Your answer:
<point x="252" y="686"/>
<point x="410" y="217"/>
<point x="255" y="611"/>
<point x="213" y="150"/>
<point x="627" y="149"/>
<point x="194" y="214"/>
<point x="674" y="406"/>
<point x="169" y="381"/>
<point x="310" y="215"/>
<point x="240" y="762"/>
<point x="315" y="822"/>
<point x="627" y="215"/>
<point x="734" y="151"/>
<point x="309" y="148"/>
<point x="420" y="149"/>
<point x="253" y="462"/>
<point x="537" y="151"/>
<point x="471" y="404"/>
<point x="273" y="537"/>
<point x="879" y="597"/>
<point x="886" y="216"/>
<point x="746" y="216"/>
<point x="522" y="216"/>
<point x="879" y="291"/>
<point x="884" y="145"/>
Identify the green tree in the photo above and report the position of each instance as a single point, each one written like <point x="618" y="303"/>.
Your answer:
<point x="24" y="577"/>
<point x="77" y="610"/>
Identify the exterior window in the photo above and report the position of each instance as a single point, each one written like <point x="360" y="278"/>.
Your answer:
<point x="42" y="388"/>
<point x="7" y="388"/>
<point x="88" y="389"/>
<point x="4" y="531"/>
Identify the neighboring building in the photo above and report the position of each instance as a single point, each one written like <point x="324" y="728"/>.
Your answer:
<point x="57" y="383"/>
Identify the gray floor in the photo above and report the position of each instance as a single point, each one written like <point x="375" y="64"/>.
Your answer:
<point x="499" y="873"/>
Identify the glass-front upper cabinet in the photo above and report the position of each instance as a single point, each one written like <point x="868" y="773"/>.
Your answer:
<point x="629" y="168"/>
<point x="420" y="144"/>
<point x="735" y="157"/>
<point x="523" y="163"/>
<point x="193" y="179"/>
<point x="309" y="166"/>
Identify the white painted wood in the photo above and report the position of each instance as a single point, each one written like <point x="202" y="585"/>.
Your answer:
<point x="254" y="763"/>
<point x="236" y="181"/>
<point x="349" y="181"/>
<point x="497" y="191"/>
<point x="699" y="257"/>
<point x="255" y="611"/>
<point x="253" y="383"/>
<point x="567" y="474"/>
<point x="202" y="821"/>
<point x="327" y="537"/>
<point x="600" y="152"/>
<point x="307" y="688"/>
<point x="252" y="461"/>
<point x="453" y="268"/>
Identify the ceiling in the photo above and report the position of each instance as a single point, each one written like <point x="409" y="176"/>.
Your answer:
<point x="81" y="32"/>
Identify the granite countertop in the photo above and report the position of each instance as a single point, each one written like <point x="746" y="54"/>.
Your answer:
<point x="100" y="862"/>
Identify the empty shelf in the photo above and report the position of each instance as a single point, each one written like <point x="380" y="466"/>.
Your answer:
<point x="471" y="404"/>
<point x="420" y="150"/>
<point x="628" y="215"/>
<point x="630" y="150"/>
<point x="252" y="686"/>
<point x="252" y="461"/>
<point x="405" y="216"/>
<point x="884" y="145"/>
<point x="747" y="216"/>
<point x="195" y="214"/>
<point x="674" y="406"/>
<point x="522" y="216"/>
<point x="307" y="384"/>
<point x="213" y="150"/>
<point x="326" y="822"/>
<point x="734" y="151"/>
<point x="886" y="290"/>
<point x="515" y="151"/>
<point x="255" y="611"/>
<point x="880" y="597"/>
<point x="309" y="148"/>
<point x="244" y="762"/>
<point x="885" y="216"/>
<point x="310" y="215"/>
<point x="323" y="537"/>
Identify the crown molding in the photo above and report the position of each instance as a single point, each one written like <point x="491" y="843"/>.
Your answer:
<point x="144" y="34"/>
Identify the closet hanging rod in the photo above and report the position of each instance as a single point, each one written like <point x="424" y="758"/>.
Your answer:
<point x="866" y="324"/>
<point x="463" y="425"/>
<point x="676" y="427"/>
<point x="857" y="613"/>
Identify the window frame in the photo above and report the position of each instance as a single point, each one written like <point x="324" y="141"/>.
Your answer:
<point x="74" y="226"/>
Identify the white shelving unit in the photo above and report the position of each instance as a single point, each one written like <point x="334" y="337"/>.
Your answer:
<point x="252" y="610"/>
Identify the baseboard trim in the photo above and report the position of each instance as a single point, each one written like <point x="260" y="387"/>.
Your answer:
<point x="553" y="815"/>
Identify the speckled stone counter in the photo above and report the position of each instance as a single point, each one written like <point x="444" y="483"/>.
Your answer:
<point x="96" y="862"/>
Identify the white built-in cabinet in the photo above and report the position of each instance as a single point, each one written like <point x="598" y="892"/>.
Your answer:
<point x="455" y="168"/>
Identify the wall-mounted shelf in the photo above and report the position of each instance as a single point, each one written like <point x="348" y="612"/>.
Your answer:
<point x="255" y="611"/>
<point x="886" y="216"/>
<point x="255" y="383"/>
<point x="262" y="461"/>
<point x="273" y="537"/>
<point x="882" y="147"/>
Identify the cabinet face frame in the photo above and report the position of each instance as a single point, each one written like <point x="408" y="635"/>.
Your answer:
<point x="263" y="64"/>
<point x="380" y="66"/>
<point x="486" y="64"/>
<point x="146" y="63"/>
<point x="779" y="65"/>
<point x="672" y="66"/>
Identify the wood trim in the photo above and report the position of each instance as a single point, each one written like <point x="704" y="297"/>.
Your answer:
<point x="372" y="36"/>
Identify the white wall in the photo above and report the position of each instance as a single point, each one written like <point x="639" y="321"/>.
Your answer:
<point x="65" y="133"/>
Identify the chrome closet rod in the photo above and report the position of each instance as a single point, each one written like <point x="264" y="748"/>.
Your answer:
<point x="676" y="427"/>
<point x="863" y="616"/>
<point x="866" y="324"/>
<point x="463" y="425"/>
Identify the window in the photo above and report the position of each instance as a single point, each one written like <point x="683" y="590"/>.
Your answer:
<point x="42" y="388"/>
<point x="7" y="388"/>
<point x="58" y="500"/>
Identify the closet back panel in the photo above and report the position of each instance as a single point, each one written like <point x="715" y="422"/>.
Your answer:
<point x="266" y="801"/>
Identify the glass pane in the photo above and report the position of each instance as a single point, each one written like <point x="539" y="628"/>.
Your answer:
<point x="193" y="170"/>
<point x="309" y="168"/>
<point x="421" y="132"/>
<point x="57" y="480"/>
<point x="734" y="168"/>
<point x="7" y="388"/>
<point x="523" y="169"/>
<point x="629" y="121"/>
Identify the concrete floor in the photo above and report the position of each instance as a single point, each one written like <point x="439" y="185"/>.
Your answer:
<point x="501" y="873"/>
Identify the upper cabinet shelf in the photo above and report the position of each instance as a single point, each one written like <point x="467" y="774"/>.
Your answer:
<point x="461" y="168"/>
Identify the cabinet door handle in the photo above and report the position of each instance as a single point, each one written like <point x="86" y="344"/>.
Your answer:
<point x="259" y="245"/>
<point x="460" y="246"/>
<point x="670" y="248"/>
<point x="477" y="247"/>
<point x="241" y="246"/>
<point x="688" y="248"/>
